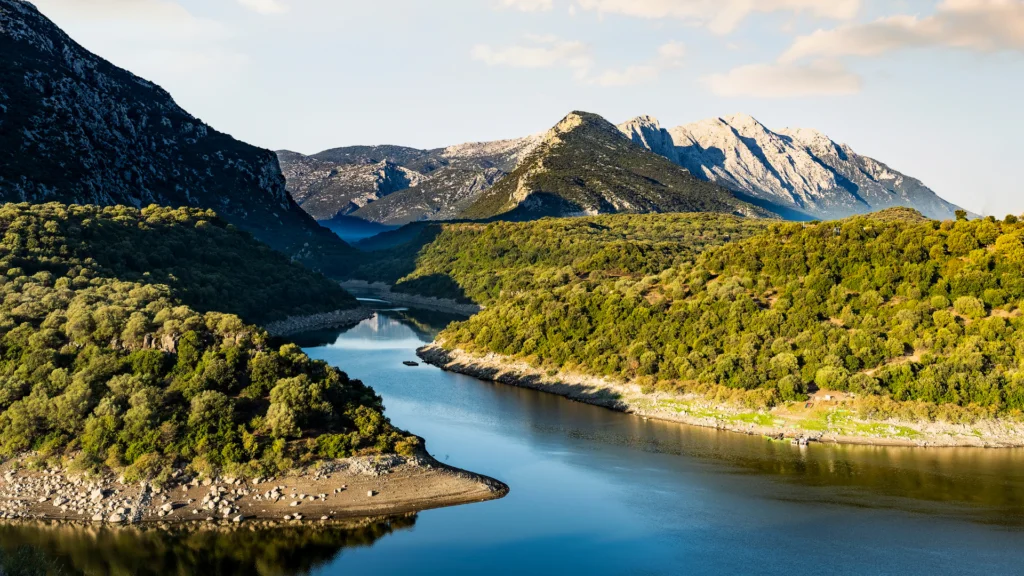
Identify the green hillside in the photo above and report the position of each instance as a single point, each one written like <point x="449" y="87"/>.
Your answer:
<point x="889" y="306"/>
<point x="116" y="350"/>
<point x="482" y="262"/>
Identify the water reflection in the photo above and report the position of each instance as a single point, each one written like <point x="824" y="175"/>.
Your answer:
<point x="44" y="549"/>
<point x="391" y="328"/>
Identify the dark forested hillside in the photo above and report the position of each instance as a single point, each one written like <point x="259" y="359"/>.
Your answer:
<point x="206" y="263"/>
<point x="115" y="349"/>
<point x="74" y="128"/>
<point x="888" y="305"/>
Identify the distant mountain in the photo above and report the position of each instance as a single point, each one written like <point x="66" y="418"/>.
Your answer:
<point x="75" y="128"/>
<point x="395" y="185"/>
<point x="327" y="189"/>
<point x="797" y="173"/>
<point x="585" y="166"/>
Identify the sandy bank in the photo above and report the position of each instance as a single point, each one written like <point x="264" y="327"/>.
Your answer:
<point x="827" y="423"/>
<point x="338" y="490"/>
<point x="383" y="291"/>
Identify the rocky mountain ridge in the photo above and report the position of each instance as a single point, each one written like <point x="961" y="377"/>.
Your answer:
<point x="396" y="184"/>
<point x="799" y="173"/>
<point x="77" y="129"/>
<point x="585" y="166"/>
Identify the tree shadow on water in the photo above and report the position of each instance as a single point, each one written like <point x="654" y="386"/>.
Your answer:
<point x="43" y="549"/>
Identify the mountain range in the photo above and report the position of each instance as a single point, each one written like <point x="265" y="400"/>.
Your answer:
<point x="797" y="174"/>
<point x="75" y="128"/>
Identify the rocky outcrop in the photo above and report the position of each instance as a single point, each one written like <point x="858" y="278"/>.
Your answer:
<point x="77" y="129"/>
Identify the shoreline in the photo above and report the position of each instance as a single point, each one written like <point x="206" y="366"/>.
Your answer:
<point x="383" y="291"/>
<point x="299" y="324"/>
<point x="628" y="399"/>
<point x="335" y="491"/>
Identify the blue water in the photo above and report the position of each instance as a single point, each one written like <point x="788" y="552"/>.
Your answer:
<point x="598" y="492"/>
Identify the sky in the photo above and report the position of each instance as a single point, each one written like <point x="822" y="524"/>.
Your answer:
<point x="930" y="87"/>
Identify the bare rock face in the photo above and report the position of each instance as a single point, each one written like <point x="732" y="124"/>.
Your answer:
<point x="325" y="189"/>
<point x="797" y="171"/>
<point x="75" y="128"/>
<point x="394" y="185"/>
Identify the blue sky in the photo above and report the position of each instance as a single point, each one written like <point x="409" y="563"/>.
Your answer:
<point x="931" y="87"/>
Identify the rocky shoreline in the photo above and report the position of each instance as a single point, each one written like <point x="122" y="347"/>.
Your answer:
<point x="383" y="291"/>
<point x="333" y="491"/>
<point x="336" y="319"/>
<point x="629" y="399"/>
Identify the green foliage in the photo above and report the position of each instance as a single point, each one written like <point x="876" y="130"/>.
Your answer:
<point x="483" y="262"/>
<point x="207" y="263"/>
<point x="884" y="305"/>
<point x="119" y="372"/>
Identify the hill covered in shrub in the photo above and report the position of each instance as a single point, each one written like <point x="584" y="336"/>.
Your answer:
<point x="117" y="349"/>
<point x="481" y="262"/>
<point x="889" y="305"/>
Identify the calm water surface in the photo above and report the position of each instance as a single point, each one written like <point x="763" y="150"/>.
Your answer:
<point x="598" y="492"/>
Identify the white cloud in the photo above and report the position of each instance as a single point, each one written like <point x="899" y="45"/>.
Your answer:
<point x="814" y="64"/>
<point x="554" y="52"/>
<point x="541" y="52"/>
<point x="265" y="6"/>
<point x="630" y="76"/>
<point x="529" y="5"/>
<point x="671" y="55"/>
<point x="721" y="16"/>
<point x="977" y="25"/>
<point x="819" y="78"/>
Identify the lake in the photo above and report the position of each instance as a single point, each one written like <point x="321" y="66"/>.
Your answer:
<point x="599" y="492"/>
